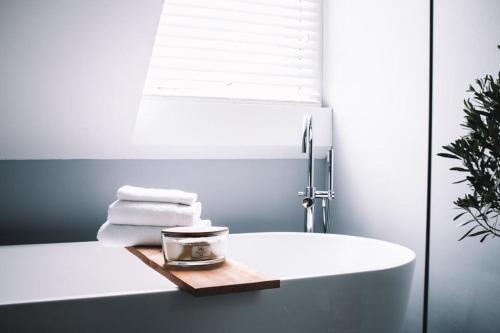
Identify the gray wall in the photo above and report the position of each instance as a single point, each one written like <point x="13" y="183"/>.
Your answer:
<point x="376" y="80"/>
<point x="66" y="200"/>
<point x="464" y="289"/>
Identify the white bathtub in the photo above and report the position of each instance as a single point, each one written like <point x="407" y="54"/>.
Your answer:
<point x="330" y="283"/>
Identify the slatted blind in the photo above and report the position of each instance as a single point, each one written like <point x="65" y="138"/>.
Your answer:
<point x="266" y="50"/>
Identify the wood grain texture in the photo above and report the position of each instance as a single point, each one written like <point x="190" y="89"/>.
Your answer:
<point x="227" y="277"/>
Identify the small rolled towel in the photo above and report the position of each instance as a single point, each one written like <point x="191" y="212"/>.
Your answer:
<point x="153" y="213"/>
<point x="132" y="193"/>
<point x="115" y="235"/>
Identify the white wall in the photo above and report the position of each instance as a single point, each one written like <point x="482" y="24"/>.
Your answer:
<point x="71" y="75"/>
<point x="464" y="292"/>
<point x="376" y="79"/>
<point x="71" y="78"/>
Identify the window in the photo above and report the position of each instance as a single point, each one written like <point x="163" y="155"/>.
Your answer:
<point x="233" y="79"/>
<point x="258" y="50"/>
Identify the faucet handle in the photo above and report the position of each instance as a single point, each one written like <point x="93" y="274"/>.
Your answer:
<point x="301" y="194"/>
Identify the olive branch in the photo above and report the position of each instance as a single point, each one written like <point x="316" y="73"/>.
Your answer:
<point x="479" y="152"/>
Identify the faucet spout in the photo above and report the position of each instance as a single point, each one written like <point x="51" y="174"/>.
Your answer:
<point x="307" y="147"/>
<point x="306" y="125"/>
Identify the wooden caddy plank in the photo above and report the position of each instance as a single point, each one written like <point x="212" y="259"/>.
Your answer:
<point x="227" y="277"/>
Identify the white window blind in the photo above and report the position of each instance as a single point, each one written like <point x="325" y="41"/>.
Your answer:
<point x="268" y="50"/>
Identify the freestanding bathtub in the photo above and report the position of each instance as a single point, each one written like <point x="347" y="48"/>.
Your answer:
<point x="330" y="283"/>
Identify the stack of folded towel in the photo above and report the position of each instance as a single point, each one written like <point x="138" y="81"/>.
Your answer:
<point x="139" y="215"/>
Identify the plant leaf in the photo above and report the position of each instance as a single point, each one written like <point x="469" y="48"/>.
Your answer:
<point x="458" y="216"/>
<point x="448" y="155"/>
<point x="465" y="223"/>
<point x="468" y="232"/>
<point x="479" y="233"/>
<point x="459" y="169"/>
<point x="484" y="237"/>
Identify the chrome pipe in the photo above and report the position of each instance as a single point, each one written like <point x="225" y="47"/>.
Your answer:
<point x="330" y="194"/>
<point x="325" y="204"/>
<point x="329" y="166"/>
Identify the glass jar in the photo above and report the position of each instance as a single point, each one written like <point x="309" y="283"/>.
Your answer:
<point x="194" y="246"/>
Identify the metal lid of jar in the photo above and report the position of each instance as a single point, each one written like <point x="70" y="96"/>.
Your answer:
<point x="194" y="231"/>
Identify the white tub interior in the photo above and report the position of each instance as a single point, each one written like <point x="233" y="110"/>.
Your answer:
<point x="298" y="255"/>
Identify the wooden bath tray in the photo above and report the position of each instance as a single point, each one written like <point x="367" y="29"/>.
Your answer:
<point x="227" y="277"/>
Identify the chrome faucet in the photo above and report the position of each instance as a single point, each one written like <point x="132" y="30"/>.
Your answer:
<point x="310" y="194"/>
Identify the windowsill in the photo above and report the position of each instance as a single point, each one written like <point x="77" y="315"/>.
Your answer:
<point x="193" y="129"/>
<point x="173" y="129"/>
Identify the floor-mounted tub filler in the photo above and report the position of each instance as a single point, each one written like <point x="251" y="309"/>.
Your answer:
<point x="329" y="283"/>
<point x="310" y="195"/>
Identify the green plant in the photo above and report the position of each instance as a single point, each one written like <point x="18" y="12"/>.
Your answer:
<point x="479" y="152"/>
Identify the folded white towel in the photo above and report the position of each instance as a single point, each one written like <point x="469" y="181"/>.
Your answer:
<point x="132" y="193"/>
<point x="153" y="213"/>
<point x="131" y="235"/>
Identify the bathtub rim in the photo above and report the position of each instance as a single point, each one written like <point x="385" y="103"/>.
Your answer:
<point x="174" y="288"/>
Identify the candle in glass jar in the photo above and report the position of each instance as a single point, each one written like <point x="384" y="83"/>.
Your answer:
<point x="189" y="246"/>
